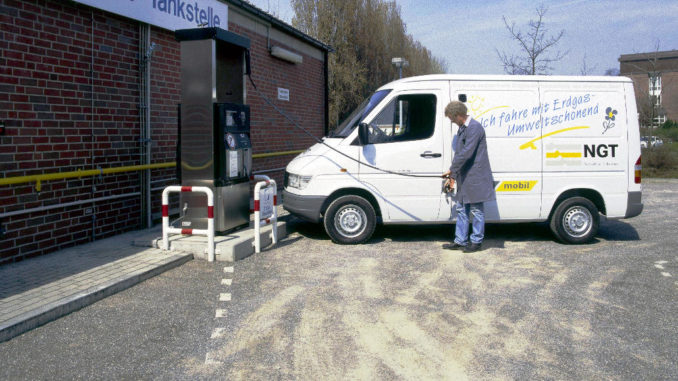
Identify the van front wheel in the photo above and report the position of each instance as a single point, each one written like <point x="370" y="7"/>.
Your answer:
<point x="575" y="220"/>
<point x="350" y="220"/>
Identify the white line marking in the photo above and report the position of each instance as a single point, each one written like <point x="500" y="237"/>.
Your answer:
<point x="210" y="361"/>
<point x="228" y="269"/>
<point x="217" y="333"/>
<point x="226" y="282"/>
<point x="660" y="267"/>
<point x="666" y="274"/>
<point x="661" y="262"/>
<point x="221" y="313"/>
<point x="225" y="297"/>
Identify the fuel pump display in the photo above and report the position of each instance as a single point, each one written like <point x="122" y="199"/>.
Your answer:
<point x="235" y="148"/>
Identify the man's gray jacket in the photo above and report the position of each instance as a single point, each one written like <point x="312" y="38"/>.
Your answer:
<point x="471" y="165"/>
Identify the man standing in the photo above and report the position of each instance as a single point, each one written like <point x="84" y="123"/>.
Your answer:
<point x="473" y="175"/>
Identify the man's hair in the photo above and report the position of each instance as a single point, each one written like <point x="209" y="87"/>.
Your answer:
<point x="455" y="108"/>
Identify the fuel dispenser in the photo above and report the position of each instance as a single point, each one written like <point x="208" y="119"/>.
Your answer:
<point x="215" y="149"/>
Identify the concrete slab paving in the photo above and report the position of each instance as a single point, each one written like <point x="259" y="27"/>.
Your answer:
<point x="38" y="290"/>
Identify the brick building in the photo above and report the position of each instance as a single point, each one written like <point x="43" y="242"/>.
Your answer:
<point x="78" y="85"/>
<point x="655" y="79"/>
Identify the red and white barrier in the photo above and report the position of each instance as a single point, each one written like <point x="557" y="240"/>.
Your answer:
<point x="167" y="230"/>
<point x="259" y="221"/>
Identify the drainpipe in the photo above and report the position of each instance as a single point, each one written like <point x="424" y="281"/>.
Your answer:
<point x="145" y="52"/>
<point x="91" y="123"/>
<point x="326" y="72"/>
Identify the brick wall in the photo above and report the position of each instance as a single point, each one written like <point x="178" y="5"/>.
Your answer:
<point x="272" y="132"/>
<point x="165" y="96"/>
<point x="69" y="96"/>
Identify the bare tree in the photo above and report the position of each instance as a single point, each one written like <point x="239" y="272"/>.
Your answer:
<point x="649" y="102"/>
<point x="534" y="47"/>
<point x="613" y="72"/>
<point x="585" y="68"/>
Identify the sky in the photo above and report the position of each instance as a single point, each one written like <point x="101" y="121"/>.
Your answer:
<point x="466" y="35"/>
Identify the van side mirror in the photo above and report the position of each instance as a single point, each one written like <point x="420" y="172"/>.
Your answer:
<point x="363" y="134"/>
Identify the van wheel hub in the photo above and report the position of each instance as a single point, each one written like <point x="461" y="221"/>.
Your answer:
<point x="350" y="221"/>
<point x="577" y="221"/>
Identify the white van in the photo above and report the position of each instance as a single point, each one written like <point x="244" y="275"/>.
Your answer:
<point x="562" y="149"/>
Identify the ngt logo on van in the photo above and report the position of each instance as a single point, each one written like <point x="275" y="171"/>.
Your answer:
<point x="572" y="154"/>
<point x="602" y="150"/>
<point x="562" y="150"/>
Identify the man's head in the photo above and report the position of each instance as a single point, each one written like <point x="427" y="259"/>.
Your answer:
<point x="457" y="112"/>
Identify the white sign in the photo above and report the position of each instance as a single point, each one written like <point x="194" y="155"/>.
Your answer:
<point x="283" y="94"/>
<point x="168" y="14"/>
<point x="232" y="163"/>
<point x="266" y="202"/>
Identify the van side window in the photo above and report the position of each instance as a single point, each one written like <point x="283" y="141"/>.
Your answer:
<point x="407" y="117"/>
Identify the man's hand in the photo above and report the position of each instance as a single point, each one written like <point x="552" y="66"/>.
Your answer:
<point x="445" y="175"/>
<point x="449" y="185"/>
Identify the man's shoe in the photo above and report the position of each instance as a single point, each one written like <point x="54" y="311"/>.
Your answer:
<point x="454" y="246"/>
<point x="473" y="247"/>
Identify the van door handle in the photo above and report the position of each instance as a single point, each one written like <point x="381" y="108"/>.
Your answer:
<point x="430" y="154"/>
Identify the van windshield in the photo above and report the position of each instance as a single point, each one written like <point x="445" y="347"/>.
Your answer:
<point x="360" y="112"/>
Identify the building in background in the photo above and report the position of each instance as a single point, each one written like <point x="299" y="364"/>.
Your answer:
<point x="655" y="79"/>
<point x="93" y="85"/>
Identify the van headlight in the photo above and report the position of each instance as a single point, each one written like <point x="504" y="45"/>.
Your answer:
<point x="298" y="181"/>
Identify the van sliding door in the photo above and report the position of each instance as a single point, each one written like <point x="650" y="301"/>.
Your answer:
<point x="510" y="112"/>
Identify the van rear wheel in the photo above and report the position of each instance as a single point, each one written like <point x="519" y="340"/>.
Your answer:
<point x="350" y="220"/>
<point x="575" y="220"/>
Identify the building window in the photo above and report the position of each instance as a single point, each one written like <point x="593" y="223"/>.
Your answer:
<point x="656" y="89"/>
<point x="656" y="100"/>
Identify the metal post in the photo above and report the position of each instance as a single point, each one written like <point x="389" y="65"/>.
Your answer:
<point x="166" y="229"/>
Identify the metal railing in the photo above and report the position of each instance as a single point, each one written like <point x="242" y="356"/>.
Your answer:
<point x="270" y="209"/>
<point x="167" y="230"/>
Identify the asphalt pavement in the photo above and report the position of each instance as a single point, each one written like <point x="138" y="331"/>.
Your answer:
<point x="399" y="307"/>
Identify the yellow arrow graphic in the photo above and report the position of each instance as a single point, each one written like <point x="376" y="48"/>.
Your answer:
<point x="530" y="144"/>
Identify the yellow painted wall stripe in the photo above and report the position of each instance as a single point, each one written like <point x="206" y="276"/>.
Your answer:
<point x="271" y="154"/>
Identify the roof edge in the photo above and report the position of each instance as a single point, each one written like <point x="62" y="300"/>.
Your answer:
<point x="278" y="23"/>
<point x="648" y="55"/>
<point x="506" y="77"/>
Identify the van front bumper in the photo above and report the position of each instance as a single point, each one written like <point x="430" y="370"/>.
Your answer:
<point x="634" y="205"/>
<point x="306" y="207"/>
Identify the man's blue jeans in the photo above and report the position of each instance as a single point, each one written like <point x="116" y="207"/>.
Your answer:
<point x="461" y="228"/>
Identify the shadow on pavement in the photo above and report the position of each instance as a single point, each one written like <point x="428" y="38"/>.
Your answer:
<point x="495" y="234"/>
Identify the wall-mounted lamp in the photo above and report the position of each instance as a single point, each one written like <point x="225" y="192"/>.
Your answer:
<point x="286" y="55"/>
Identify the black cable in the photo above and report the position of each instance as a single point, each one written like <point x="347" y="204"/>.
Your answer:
<point x="295" y="124"/>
